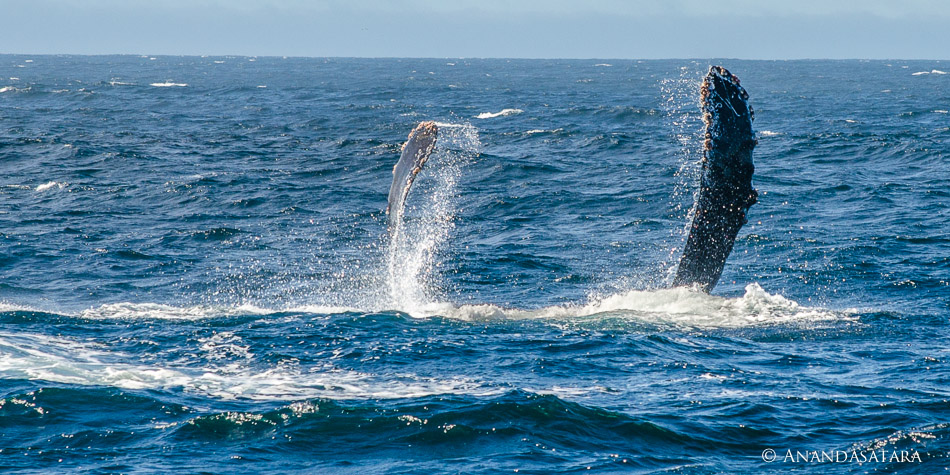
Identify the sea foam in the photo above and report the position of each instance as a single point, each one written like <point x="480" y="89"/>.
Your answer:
<point x="50" y="185"/>
<point x="502" y="113"/>
<point x="678" y="306"/>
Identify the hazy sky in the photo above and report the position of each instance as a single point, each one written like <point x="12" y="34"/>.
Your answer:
<point x="758" y="29"/>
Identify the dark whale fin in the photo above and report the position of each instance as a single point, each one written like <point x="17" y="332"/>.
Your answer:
<point x="726" y="191"/>
<point x="415" y="152"/>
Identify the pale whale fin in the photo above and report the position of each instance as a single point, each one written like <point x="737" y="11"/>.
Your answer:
<point x="415" y="152"/>
<point x="726" y="191"/>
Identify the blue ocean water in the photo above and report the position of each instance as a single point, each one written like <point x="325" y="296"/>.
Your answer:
<point x="195" y="273"/>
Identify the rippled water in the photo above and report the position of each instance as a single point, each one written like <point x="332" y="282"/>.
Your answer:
<point x="195" y="272"/>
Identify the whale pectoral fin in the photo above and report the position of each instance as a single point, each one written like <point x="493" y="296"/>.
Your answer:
<point x="415" y="152"/>
<point x="726" y="191"/>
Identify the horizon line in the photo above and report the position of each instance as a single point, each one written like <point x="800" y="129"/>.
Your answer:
<point x="279" y="56"/>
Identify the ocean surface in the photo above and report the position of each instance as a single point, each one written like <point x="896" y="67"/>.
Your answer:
<point x="196" y="274"/>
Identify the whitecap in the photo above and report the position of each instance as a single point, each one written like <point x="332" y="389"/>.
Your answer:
<point x="603" y="65"/>
<point x="50" y="185"/>
<point x="502" y="113"/>
<point x="542" y="131"/>
<point x="168" y="84"/>
<point x="768" y="133"/>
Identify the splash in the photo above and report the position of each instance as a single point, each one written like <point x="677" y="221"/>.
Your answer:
<point x="678" y="307"/>
<point x="683" y="113"/>
<point x="413" y="249"/>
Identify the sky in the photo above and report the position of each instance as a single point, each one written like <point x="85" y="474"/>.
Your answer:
<point x="610" y="29"/>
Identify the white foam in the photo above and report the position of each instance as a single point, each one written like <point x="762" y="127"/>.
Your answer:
<point x="68" y="361"/>
<point x="465" y="129"/>
<point x="768" y="133"/>
<point x="7" y="89"/>
<point x="932" y="71"/>
<point x="8" y="307"/>
<point x="50" y="185"/>
<point x="603" y="65"/>
<point x="940" y="111"/>
<point x="168" y="84"/>
<point x="502" y="113"/>
<point x="228" y="369"/>
<point x="155" y="311"/>
<point x="679" y="306"/>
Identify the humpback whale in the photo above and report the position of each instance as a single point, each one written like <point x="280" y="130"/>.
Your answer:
<point x="415" y="152"/>
<point x="725" y="193"/>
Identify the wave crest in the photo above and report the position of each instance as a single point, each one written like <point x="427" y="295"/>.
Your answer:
<point x="678" y="306"/>
<point x="501" y="113"/>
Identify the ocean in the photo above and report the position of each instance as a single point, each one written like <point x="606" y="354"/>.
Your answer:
<point x="196" y="274"/>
